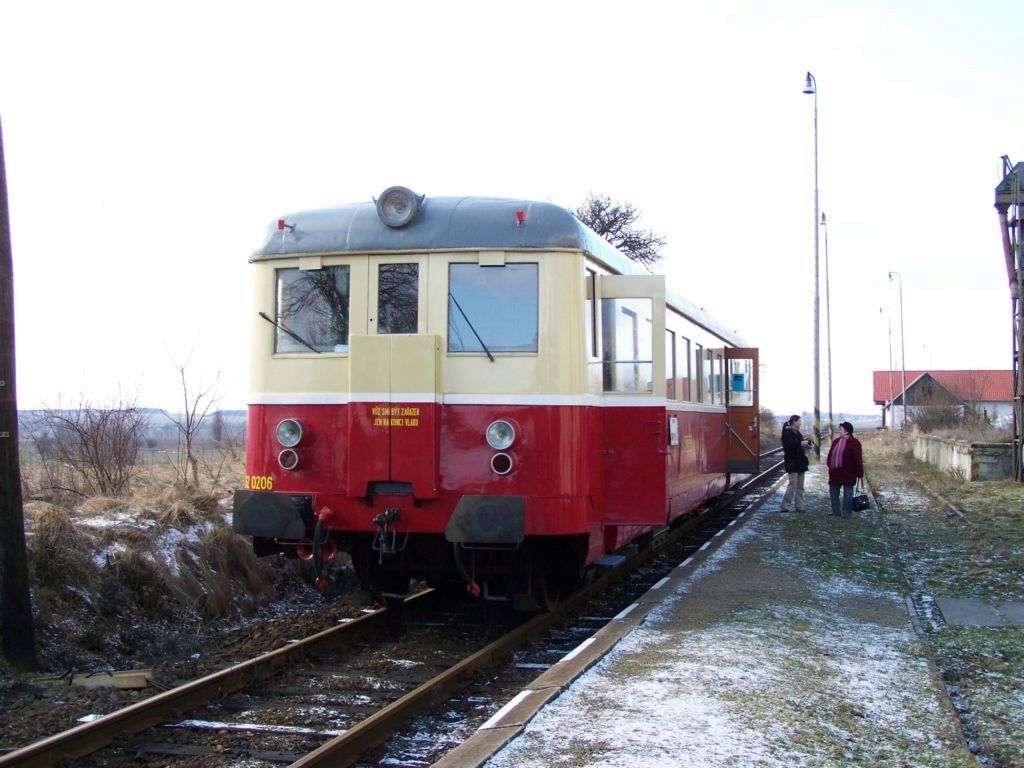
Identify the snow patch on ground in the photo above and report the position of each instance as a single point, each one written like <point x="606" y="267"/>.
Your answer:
<point x="171" y="542"/>
<point x="117" y="520"/>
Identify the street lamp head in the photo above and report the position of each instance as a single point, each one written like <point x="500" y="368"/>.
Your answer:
<point x="890" y="277"/>
<point x="809" y="84"/>
<point x="823" y="218"/>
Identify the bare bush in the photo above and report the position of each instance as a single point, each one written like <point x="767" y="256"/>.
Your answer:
<point x="198" y="398"/>
<point x="768" y="421"/>
<point x="219" y="464"/>
<point x="930" y="418"/>
<point x="89" y="451"/>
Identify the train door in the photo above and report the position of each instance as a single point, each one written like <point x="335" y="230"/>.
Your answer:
<point x="394" y="376"/>
<point x="635" y="446"/>
<point x="743" y="411"/>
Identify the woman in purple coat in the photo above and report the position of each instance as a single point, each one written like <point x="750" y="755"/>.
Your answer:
<point x="845" y="468"/>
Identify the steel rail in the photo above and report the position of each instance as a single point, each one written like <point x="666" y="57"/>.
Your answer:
<point x="85" y="739"/>
<point x="374" y="730"/>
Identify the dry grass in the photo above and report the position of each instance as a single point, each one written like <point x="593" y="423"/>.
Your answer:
<point x="107" y="570"/>
<point x="59" y="553"/>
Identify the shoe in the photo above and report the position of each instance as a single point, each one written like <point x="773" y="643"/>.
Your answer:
<point x="784" y="510"/>
<point x="801" y="510"/>
<point x="835" y="514"/>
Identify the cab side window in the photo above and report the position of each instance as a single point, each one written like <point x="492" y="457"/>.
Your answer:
<point x="313" y="305"/>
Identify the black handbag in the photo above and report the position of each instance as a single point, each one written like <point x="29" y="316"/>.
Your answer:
<point x="861" y="500"/>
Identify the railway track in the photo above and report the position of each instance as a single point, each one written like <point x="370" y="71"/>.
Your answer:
<point x="340" y="694"/>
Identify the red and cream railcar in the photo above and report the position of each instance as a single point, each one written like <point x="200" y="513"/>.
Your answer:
<point x="479" y="389"/>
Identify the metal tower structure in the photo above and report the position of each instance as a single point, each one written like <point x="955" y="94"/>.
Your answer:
<point x="1010" y="207"/>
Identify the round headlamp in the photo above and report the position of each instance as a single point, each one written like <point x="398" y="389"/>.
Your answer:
<point x="289" y="433"/>
<point x="397" y="206"/>
<point x="288" y="459"/>
<point x="500" y="435"/>
<point x="501" y="463"/>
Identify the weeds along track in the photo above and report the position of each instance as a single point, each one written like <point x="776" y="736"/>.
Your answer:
<point x="338" y="696"/>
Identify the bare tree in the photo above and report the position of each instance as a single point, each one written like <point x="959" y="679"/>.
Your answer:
<point x="617" y="223"/>
<point x="972" y="390"/>
<point x="198" y="398"/>
<point x="87" y="450"/>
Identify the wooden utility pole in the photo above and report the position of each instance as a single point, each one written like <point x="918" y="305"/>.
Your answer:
<point x="18" y="637"/>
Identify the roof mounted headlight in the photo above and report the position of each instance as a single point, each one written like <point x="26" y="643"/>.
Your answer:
<point x="500" y="435"/>
<point x="397" y="206"/>
<point x="289" y="433"/>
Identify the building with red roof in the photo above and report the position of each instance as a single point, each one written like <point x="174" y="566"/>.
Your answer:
<point x="988" y="393"/>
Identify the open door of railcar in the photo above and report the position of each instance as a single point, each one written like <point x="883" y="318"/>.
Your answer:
<point x="632" y="317"/>
<point x="743" y="411"/>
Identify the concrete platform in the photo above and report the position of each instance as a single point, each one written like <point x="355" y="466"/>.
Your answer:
<point x="969" y="613"/>
<point x="787" y="642"/>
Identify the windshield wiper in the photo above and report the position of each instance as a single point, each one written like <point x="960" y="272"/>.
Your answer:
<point x="291" y="333"/>
<point x="463" y="313"/>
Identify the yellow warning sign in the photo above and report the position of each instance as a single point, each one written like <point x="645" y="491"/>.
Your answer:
<point x="395" y="416"/>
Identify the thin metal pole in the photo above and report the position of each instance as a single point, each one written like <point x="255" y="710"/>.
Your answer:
<point x="811" y="88"/>
<point x="903" y="353"/>
<point x="828" y="332"/>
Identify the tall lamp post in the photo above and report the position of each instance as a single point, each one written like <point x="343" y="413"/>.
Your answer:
<point x="888" y="320"/>
<point x="903" y="352"/>
<point x="811" y="88"/>
<point x="828" y="332"/>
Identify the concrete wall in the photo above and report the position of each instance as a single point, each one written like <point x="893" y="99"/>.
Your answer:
<point x="971" y="461"/>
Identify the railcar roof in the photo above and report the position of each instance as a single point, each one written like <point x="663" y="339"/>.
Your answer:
<point x="449" y="223"/>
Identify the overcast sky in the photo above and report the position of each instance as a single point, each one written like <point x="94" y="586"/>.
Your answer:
<point x="148" y="147"/>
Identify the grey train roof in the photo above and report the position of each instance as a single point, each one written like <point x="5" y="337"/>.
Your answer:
<point x="445" y="223"/>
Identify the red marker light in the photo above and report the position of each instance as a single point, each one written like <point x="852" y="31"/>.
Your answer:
<point x="520" y="216"/>
<point x="280" y="224"/>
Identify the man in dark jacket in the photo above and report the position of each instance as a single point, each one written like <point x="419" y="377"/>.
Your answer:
<point x="793" y="446"/>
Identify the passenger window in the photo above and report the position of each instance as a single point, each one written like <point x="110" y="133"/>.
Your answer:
<point x="719" y="379"/>
<point x="684" y="368"/>
<point x="627" y="345"/>
<point x="492" y="306"/>
<point x="670" y="365"/>
<point x="698" y="368"/>
<point x="398" y="298"/>
<point x="313" y="305"/>
<point x="590" y="321"/>
<point x="709" y="376"/>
